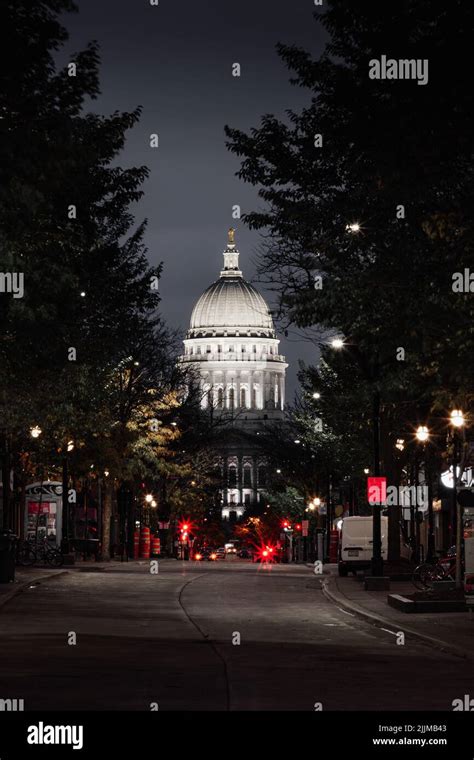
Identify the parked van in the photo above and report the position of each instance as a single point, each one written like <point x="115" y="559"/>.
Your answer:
<point x="355" y="546"/>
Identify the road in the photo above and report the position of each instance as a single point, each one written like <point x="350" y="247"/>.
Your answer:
<point x="171" y="640"/>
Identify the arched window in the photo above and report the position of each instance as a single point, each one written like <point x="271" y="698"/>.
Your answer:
<point x="247" y="476"/>
<point x="231" y="397"/>
<point x="243" y="401"/>
<point x="232" y="476"/>
<point x="262" y="475"/>
<point x="220" y="398"/>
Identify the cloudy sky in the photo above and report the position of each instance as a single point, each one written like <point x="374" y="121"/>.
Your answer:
<point x="175" y="60"/>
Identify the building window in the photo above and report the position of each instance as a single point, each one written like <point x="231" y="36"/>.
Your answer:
<point x="220" y="398"/>
<point x="208" y="349"/>
<point x="219" y="349"/>
<point x="232" y="477"/>
<point x="247" y="499"/>
<point x="247" y="476"/>
<point x="242" y="398"/>
<point x="231" y="349"/>
<point x="262" y="476"/>
<point x="254" y="398"/>
<point x="231" y="397"/>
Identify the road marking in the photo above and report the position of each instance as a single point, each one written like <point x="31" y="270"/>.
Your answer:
<point x="394" y="633"/>
<point x="346" y="612"/>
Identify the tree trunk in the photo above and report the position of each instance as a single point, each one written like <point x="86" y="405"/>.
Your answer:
<point x="106" y="518"/>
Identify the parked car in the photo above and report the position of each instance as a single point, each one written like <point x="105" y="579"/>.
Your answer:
<point x="220" y="552"/>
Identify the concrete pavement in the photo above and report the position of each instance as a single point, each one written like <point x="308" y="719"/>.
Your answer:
<point x="210" y="636"/>
<point x="449" y="631"/>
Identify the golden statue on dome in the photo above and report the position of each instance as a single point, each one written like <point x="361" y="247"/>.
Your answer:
<point x="231" y="235"/>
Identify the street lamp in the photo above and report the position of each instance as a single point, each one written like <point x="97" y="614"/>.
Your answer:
<point x="422" y="435"/>
<point x="353" y="227"/>
<point x="149" y="498"/>
<point x="337" y="343"/>
<point x="400" y="444"/>
<point x="457" y="420"/>
<point x="366" y="470"/>
<point x="316" y="395"/>
<point x="35" y="431"/>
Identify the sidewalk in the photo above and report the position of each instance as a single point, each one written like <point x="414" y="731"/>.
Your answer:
<point x="25" y="577"/>
<point x="450" y="631"/>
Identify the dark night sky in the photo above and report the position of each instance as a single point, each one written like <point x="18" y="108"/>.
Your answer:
<point x="175" y="61"/>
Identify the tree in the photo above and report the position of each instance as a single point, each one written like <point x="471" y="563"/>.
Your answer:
<point x="366" y="224"/>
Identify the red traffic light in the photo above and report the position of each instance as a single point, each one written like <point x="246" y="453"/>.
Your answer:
<point x="298" y="526"/>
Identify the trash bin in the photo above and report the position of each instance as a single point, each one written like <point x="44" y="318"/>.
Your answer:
<point x="7" y="556"/>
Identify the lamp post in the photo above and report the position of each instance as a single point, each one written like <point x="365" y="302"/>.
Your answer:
<point x="423" y="436"/>
<point x="457" y="421"/>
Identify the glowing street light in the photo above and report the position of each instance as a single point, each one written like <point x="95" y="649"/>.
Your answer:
<point x="422" y="433"/>
<point x="400" y="444"/>
<point x="35" y="431"/>
<point x="316" y="395"/>
<point x="457" y="418"/>
<point x="366" y="470"/>
<point x="70" y="445"/>
<point x="353" y="227"/>
<point x="149" y="498"/>
<point x="337" y="343"/>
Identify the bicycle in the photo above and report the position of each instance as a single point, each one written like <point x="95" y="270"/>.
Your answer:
<point x="29" y="553"/>
<point x="444" y="569"/>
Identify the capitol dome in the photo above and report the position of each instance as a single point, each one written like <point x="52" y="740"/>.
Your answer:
<point x="232" y="352"/>
<point x="231" y="305"/>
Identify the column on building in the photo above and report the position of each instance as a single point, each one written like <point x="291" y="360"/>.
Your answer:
<point x="237" y="389"/>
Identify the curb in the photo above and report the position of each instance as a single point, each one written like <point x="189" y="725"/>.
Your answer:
<point x="18" y="589"/>
<point x="379" y="621"/>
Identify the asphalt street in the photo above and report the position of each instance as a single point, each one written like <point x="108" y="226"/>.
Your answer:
<point x="210" y="636"/>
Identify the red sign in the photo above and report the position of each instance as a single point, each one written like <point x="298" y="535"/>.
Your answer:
<point x="377" y="490"/>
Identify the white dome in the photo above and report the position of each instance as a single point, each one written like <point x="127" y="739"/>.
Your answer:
<point x="231" y="305"/>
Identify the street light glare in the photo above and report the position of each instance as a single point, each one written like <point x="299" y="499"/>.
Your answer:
<point x="149" y="498"/>
<point x="400" y="444"/>
<point x="316" y="395"/>
<point x="35" y="431"/>
<point x="337" y="343"/>
<point x="422" y="433"/>
<point x="353" y="227"/>
<point x="457" y="418"/>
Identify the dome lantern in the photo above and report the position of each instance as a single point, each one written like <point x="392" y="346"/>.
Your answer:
<point x="231" y="257"/>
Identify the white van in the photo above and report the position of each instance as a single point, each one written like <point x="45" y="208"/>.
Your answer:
<point x="355" y="545"/>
